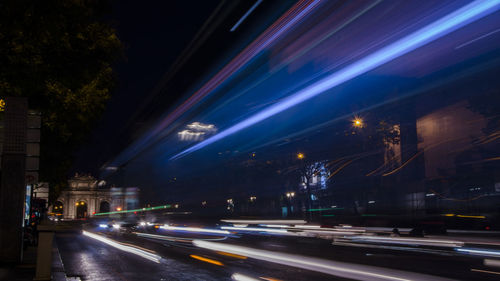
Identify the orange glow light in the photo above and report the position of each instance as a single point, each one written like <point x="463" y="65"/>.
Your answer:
<point x="207" y="260"/>
<point x="357" y="122"/>
<point x="232" y="255"/>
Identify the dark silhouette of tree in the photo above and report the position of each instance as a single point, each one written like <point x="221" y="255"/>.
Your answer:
<point x="59" y="54"/>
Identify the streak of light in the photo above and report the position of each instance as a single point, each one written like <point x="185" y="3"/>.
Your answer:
<point x="207" y="260"/>
<point x="455" y="199"/>
<point x="476" y="39"/>
<point x="137" y="247"/>
<point x="273" y="225"/>
<point x="341" y="269"/>
<point x="489" y="138"/>
<point x="286" y="22"/>
<point x="485" y="271"/>
<point x="308" y="226"/>
<point x="427" y="87"/>
<point x="163" y="237"/>
<point x="302" y="52"/>
<point x="245" y="15"/>
<point x="129" y="249"/>
<point x="471" y="217"/>
<point x="484" y="252"/>
<point x="240" y="225"/>
<point x="134" y="210"/>
<point x="409" y="241"/>
<point x="241" y="277"/>
<point x="492" y="263"/>
<point x="232" y="255"/>
<point x="173" y="238"/>
<point x="270" y="279"/>
<point x="266" y="221"/>
<point x="404" y="164"/>
<point x="390" y="160"/>
<point x="340" y="168"/>
<point x="414" y="157"/>
<point x="386" y="229"/>
<point x="453" y="21"/>
<point x="328" y="233"/>
<point x="258" y="229"/>
<point x="102" y="225"/>
<point x="194" y="229"/>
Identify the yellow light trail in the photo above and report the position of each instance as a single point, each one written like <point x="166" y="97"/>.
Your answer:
<point x="207" y="260"/>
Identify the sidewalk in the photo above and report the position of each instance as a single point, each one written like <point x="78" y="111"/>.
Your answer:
<point x="20" y="271"/>
<point x="26" y="270"/>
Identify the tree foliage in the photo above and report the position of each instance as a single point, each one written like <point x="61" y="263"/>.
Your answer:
<point x="59" y="54"/>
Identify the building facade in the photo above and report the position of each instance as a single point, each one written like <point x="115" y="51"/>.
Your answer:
<point x="85" y="197"/>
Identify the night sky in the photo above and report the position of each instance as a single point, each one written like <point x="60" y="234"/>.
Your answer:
<point x="154" y="33"/>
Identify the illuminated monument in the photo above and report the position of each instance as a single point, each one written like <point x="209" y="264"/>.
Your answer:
<point x="87" y="196"/>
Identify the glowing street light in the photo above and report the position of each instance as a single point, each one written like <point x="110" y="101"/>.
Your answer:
<point x="290" y="194"/>
<point x="357" y="122"/>
<point x="300" y="155"/>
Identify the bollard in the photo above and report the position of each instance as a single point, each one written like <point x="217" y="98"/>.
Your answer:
<point x="44" y="252"/>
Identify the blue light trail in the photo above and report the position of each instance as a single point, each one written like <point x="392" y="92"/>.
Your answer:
<point x="451" y="22"/>
<point x="246" y="15"/>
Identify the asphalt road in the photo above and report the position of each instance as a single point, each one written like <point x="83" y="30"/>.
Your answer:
<point x="91" y="259"/>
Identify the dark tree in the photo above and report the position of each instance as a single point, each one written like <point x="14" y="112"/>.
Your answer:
<point x="59" y="54"/>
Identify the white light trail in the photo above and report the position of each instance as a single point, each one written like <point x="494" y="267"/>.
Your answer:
<point x="484" y="252"/>
<point x="476" y="39"/>
<point x="340" y="269"/>
<point x="194" y="229"/>
<point x="266" y="221"/>
<point x="409" y="241"/>
<point x="241" y="277"/>
<point x="492" y="263"/>
<point x="175" y="239"/>
<point x="258" y="229"/>
<point x="128" y="249"/>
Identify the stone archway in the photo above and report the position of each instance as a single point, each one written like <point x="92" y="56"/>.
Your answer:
<point x="104" y="207"/>
<point x="81" y="209"/>
<point x="58" y="208"/>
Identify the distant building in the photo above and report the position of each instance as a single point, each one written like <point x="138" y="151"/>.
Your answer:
<point x="85" y="198"/>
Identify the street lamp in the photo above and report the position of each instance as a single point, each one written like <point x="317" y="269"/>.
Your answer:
<point x="357" y="122"/>
<point x="300" y="155"/>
